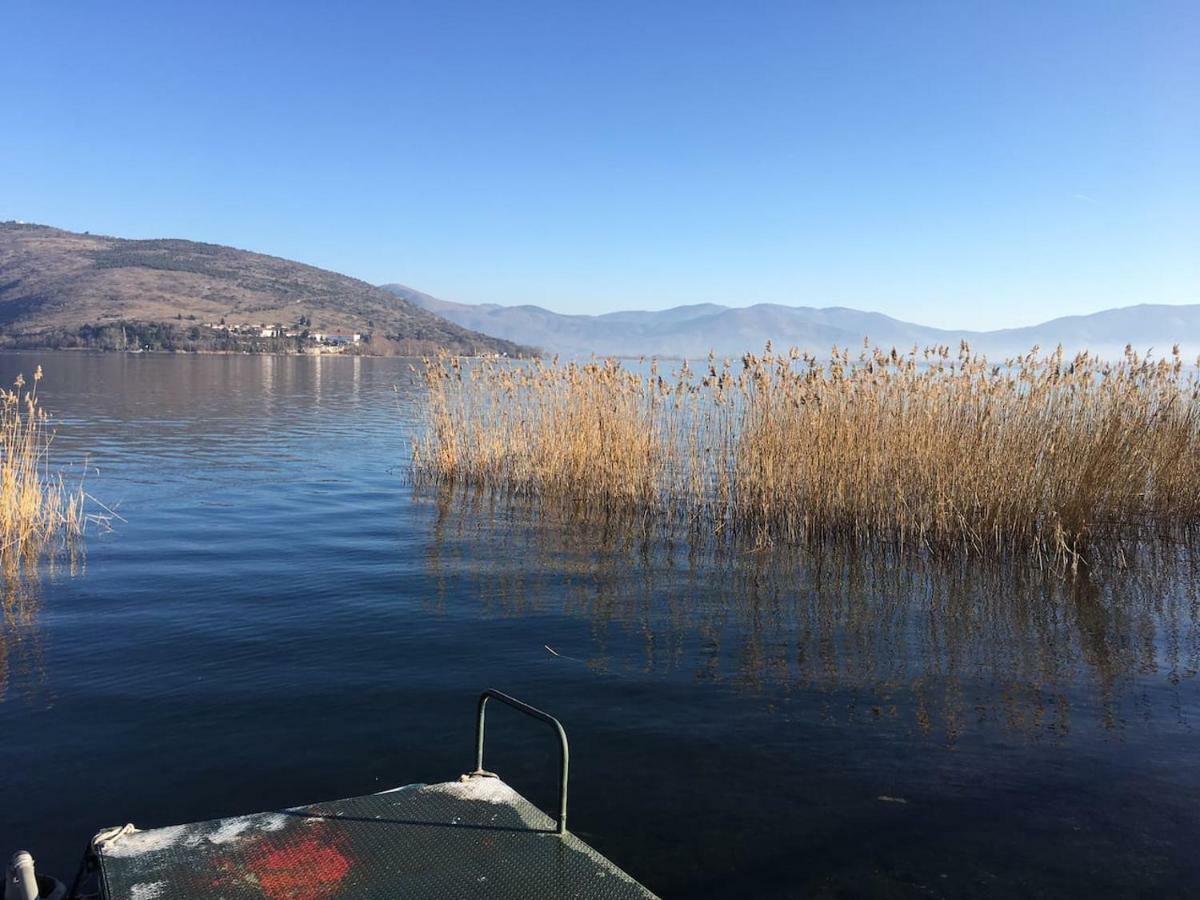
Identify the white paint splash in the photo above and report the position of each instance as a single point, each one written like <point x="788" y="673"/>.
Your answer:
<point x="229" y="830"/>
<point x="138" y="842"/>
<point x="483" y="788"/>
<point x="129" y="842"/>
<point x="147" y="890"/>
<point x="272" y="822"/>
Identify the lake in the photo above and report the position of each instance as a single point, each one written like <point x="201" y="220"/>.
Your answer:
<point x="279" y="617"/>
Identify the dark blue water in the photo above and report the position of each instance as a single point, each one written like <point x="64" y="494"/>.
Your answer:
<point x="281" y="618"/>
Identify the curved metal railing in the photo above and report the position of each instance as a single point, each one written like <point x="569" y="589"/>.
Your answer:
<point x="564" y="759"/>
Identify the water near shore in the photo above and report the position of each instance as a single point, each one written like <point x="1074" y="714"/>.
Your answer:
<point x="283" y="619"/>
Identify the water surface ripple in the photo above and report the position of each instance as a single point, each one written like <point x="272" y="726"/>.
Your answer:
<point x="281" y="618"/>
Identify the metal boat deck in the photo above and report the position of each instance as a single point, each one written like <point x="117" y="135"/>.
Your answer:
<point x="471" y="838"/>
<point x="475" y="837"/>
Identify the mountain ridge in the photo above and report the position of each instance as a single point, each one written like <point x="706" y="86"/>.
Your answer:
<point x="692" y="331"/>
<point x="66" y="289"/>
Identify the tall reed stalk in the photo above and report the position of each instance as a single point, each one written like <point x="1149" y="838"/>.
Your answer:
<point x="34" y="504"/>
<point x="930" y="450"/>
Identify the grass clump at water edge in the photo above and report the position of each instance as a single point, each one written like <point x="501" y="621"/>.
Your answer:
<point x="35" y="505"/>
<point x="1064" y="459"/>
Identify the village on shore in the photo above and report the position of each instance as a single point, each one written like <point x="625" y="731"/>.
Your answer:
<point x="301" y="332"/>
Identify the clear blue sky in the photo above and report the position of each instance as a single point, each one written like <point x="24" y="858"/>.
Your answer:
<point x="959" y="164"/>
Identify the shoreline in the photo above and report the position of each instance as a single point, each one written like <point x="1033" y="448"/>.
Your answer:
<point x="102" y="352"/>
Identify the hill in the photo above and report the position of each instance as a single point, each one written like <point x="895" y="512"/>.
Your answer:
<point x="62" y="289"/>
<point x="692" y="331"/>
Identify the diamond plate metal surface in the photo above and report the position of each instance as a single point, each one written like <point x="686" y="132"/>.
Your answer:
<point x="472" y="838"/>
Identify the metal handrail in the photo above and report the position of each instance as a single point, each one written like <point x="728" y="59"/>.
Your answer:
<point x="564" y="759"/>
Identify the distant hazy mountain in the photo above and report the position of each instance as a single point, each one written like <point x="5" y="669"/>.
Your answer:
<point x="59" y="288"/>
<point x="692" y="331"/>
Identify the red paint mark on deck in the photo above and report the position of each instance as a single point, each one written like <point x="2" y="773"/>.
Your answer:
<point x="302" y="869"/>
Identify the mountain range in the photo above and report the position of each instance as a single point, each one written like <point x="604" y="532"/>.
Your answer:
<point x="693" y="331"/>
<point x="65" y="289"/>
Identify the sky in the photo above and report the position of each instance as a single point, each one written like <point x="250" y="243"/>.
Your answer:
<point x="963" y="165"/>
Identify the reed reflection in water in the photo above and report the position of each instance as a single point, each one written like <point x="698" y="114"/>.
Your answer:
<point x="20" y="601"/>
<point x="942" y="646"/>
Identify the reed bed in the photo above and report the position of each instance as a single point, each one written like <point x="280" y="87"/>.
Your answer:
<point x="35" y="505"/>
<point x="934" y="450"/>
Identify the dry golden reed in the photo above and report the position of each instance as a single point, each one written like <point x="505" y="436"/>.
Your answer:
<point x="929" y="450"/>
<point x="34" y="505"/>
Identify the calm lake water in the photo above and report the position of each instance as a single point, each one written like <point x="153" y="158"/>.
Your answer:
<point x="281" y="618"/>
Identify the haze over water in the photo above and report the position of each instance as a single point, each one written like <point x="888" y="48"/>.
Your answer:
<point x="283" y="618"/>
